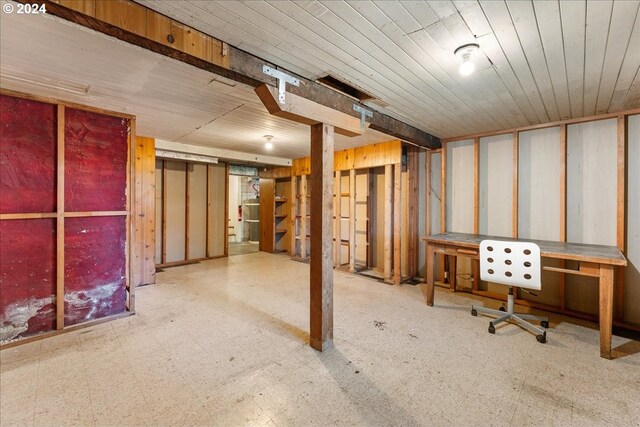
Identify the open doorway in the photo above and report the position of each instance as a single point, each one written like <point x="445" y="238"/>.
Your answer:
<point x="244" y="210"/>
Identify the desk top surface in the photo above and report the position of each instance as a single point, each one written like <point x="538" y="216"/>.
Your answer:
<point x="563" y="250"/>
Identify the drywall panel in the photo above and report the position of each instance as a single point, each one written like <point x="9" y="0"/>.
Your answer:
<point x="496" y="185"/>
<point x="459" y="196"/>
<point x="591" y="199"/>
<point x="540" y="164"/>
<point x="632" y="271"/>
<point x="217" y="215"/>
<point x="95" y="158"/>
<point x="159" y="211"/>
<point x="362" y="191"/>
<point x="592" y="182"/>
<point x="539" y="170"/>
<point x="422" y="211"/>
<point x="197" y="210"/>
<point x="27" y="277"/>
<point x="27" y="156"/>
<point x="95" y="259"/>
<point x="175" y="221"/>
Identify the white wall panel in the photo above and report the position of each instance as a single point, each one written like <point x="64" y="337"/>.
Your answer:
<point x="175" y="209"/>
<point x="197" y="210"/>
<point x="496" y="185"/>
<point x="459" y="201"/>
<point x="632" y="272"/>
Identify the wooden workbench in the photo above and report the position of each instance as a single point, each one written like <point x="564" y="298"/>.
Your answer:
<point x="595" y="261"/>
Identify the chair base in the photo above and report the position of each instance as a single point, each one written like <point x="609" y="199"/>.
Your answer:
<point x="520" y="318"/>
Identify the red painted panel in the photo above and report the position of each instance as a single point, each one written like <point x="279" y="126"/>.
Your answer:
<point x="27" y="277"/>
<point x="95" y="162"/>
<point x="27" y="156"/>
<point x="94" y="271"/>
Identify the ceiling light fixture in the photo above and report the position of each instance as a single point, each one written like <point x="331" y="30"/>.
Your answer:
<point x="465" y="52"/>
<point x="268" y="145"/>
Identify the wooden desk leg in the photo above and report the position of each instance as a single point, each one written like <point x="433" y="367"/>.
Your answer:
<point x="430" y="266"/>
<point x="606" y="309"/>
<point x="453" y="269"/>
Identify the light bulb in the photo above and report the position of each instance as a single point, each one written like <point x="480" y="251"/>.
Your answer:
<point x="268" y="145"/>
<point x="467" y="67"/>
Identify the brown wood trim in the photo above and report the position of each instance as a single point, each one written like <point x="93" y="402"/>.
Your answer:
<point x="544" y="125"/>
<point x="476" y="185"/>
<point x="134" y="246"/>
<point x="397" y="211"/>
<point x="443" y="185"/>
<point x="66" y="104"/>
<point x="622" y="136"/>
<point x="207" y="248"/>
<point x="95" y="213"/>
<point x="60" y="220"/>
<point x="187" y="207"/>
<point x="563" y="209"/>
<point x="163" y="258"/>
<point x="36" y="215"/>
<point x="427" y="215"/>
<point x="514" y="202"/>
<point x="67" y="329"/>
<point x="226" y="210"/>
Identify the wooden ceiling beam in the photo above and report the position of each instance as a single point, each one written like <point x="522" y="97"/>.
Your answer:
<point x="240" y="66"/>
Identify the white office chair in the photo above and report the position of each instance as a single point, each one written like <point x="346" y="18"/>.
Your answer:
<point x="513" y="264"/>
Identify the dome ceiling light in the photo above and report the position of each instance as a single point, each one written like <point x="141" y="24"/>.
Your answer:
<point x="465" y="52"/>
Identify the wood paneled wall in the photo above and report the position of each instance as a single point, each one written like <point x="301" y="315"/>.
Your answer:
<point x="145" y="22"/>
<point x="564" y="181"/>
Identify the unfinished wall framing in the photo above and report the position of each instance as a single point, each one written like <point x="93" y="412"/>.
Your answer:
<point x="66" y="199"/>
<point x="191" y="208"/>
<point x="573" y="180"/>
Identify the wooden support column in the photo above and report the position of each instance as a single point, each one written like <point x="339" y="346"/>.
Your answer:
<point x="352" y="220"/>
<point x="60" y="223"/>
<point x="606" y="312"/>
<point x="414" y="205"/>
<point x="563" y="209"/>
<point x="292" y="215"/>
<point x="621" y="210"/>
<point x="388" y="225"/>
<point x="321" y="272"/>
<point x="514" y="211"/>
<point x="337" y="199"/>
<point x="397" y="210"/>
<point x="303" y="217"/>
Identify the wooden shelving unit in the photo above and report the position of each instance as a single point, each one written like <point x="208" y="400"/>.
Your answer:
<point x="274" y="214"/>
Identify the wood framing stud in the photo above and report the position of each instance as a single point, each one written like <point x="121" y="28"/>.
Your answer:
<point x="388" y="221"/>
<point x="397" y="211"/>
<point x="321" y="270"/>
<point x="337" y="199"/>
<point x="303" y="216"/>
<point x="352" y="220"/>
<point x="60" y="222"/>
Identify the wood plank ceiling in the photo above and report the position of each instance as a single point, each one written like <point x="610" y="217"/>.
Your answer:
<point x="50" y="57"/>
<point x="540" y="61"/>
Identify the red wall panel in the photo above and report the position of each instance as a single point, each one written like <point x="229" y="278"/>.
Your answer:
<point x="27" y="277"/>
<point x="95" y="161"/>
<point x="27" y="156"/>
<point x="94" y="268"/>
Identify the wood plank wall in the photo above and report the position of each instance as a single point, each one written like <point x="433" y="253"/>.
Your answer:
<point x="145" y="22"/>
<point x="570" y="183"/>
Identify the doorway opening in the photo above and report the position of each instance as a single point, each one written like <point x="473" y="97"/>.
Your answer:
<point x="244" y="210"/>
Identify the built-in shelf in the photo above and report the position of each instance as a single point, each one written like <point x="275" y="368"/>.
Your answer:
<point x="252" y="220"/>
<point x="252" y="204"/>
<point x="281" y="230"/>
<point x="281" y="216"/>
<point x="281" y="200"/>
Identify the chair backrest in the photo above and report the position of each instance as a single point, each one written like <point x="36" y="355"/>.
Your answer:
<point x="510" y="263"/>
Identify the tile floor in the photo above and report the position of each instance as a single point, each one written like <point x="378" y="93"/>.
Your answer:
<point x="223" y="342"/>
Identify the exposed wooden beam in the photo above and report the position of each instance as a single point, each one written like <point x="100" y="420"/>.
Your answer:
<point x="305" y="111"/>
<point x="321" y="271"/>
<point x="241" y="67"/>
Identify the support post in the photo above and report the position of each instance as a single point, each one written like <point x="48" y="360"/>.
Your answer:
<point x="60" y="222"/>
<point x="397" y="210"/>
<point x="352" y="220"/>
<point x="388" y="226"/>
<point x="337" y="199"/>
<point x="303" y="217"/>
<point x="321" y="276"/>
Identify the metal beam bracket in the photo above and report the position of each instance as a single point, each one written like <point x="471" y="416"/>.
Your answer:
<point x="283" y="79"/>
<point x="363" y="113"/>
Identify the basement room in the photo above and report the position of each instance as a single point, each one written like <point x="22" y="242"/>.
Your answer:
<point x="320" y="213"/>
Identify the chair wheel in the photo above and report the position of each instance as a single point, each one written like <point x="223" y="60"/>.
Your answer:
<point x="474" y="312"/>
<point x="502" y="308"/>
<point x="492" y="329"/>
<point x="542" y="338"/>
<point x="544" y="324"/>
